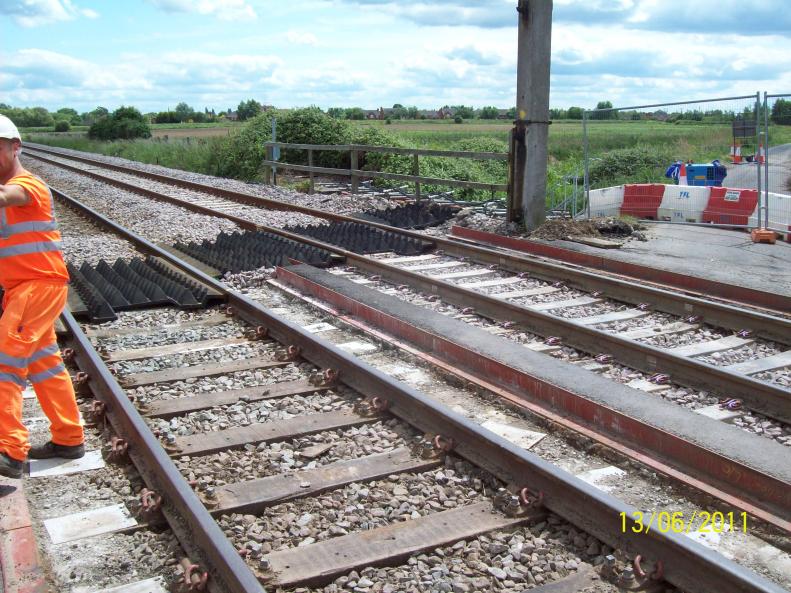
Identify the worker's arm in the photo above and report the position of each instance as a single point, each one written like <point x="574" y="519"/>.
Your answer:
<point x="13" y="195"/>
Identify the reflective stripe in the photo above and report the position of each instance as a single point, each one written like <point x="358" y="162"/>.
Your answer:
<point x="12" y="378"/>
<point x="13" y="361"/>
<point x="26" y="248"/>
<point x="48" y="374"/>
<point x="21" y="363"/>
<point x="41" y="353"/>
<point x="26" y="227"/>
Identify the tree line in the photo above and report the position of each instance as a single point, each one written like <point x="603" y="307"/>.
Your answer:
<point x="129" y="122"/>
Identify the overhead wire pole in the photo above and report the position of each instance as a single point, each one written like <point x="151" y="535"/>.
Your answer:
<point x="529" y="136"/>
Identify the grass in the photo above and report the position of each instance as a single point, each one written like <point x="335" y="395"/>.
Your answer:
<point x="652" y="145"/>
<point x="188" y="154"/>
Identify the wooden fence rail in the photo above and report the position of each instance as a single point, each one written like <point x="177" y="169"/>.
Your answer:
<point x="356" y="173"/>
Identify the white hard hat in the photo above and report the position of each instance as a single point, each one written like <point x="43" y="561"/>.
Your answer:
<point x="8" y="129"/>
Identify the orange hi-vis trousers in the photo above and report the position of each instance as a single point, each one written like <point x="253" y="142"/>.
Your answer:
<point x="29" y="351"/>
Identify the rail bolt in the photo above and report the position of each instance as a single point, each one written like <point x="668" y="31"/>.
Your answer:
<point x="627" y="577"/>
<point x="194" y="578"/>
<point x="259" y="333"/>
<point x="444" y="444"/>
<point x="230" y="311"/>
<point x="150" y="501"/>
<point x="530" y="498"/>
<point x="655" y="575"/>
<point x="68" y="354"/>
<point x="289" y="354"/>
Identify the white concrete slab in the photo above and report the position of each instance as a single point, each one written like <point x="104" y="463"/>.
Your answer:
<point x="89" y="523"/>
<point x="717" y="413"/>
<point x="515" y="294"/>
<point x="677" y="327"/>
<point x="42" y="468"/>
<point x="759" y="365"/>
<point x="541" y="347"/>
<point x="466" y="274"/>
<point x="316" y="328"/>
<point x="497" y="282"/>
<point x="646" y="386"/>
<point x="719" y="345"/>
<point x="610" y="317"/>
<point x="578" y="302"/>
<point x="407" y="258"/>
<point x="357" y="347"/>
<point x="598" y="477"/>
<point x="518" y="436"/>
<point x="439" y="266"/>
<point x="408" y="374"/>
<point x="155" y="585"/>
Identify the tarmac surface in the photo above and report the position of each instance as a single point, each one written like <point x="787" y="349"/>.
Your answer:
<point x="743" y="176"/>
<point x="719" y="254"/>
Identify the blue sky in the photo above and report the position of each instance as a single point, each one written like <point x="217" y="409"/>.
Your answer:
<point x="370" y="53"/>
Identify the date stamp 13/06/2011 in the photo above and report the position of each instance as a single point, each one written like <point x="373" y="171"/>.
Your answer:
<point x="680" y="522"/>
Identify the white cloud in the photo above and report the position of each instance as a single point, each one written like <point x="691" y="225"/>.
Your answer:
<point x="35" y="13"/>
<point x="301" y="38"/>
<point x="227" y="10"/>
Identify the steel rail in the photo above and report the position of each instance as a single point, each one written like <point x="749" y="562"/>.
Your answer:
<point x="196" y="530"/>
<point x="662" y="297"/>
<point x="686" y="563"/>
<point x="763" y="397"/>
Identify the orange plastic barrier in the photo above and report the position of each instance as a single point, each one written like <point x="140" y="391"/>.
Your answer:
<point x="642" y="199"/>
<point x="730" y="206"/>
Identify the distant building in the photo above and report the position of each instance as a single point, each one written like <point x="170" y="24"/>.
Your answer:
<point x="232" y="116"/>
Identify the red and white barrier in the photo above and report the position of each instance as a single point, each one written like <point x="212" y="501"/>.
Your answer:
<point x="683" y="203"/>
<point x="688" y="203"/>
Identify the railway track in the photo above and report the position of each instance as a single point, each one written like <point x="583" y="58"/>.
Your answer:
<point x="669" y="352"/>
<point x="407" y="407"/>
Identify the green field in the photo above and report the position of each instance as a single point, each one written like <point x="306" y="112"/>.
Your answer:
<point x="620" y="151"/>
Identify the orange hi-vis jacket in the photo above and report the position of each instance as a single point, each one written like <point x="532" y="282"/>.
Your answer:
<point x="29" y="238"/>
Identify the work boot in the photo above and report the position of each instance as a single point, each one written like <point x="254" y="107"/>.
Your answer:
<point x="10" y="467"/>
<point x="49" y="450"/>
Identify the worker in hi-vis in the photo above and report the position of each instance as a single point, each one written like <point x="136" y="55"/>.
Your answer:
<point x="34" y="278"/>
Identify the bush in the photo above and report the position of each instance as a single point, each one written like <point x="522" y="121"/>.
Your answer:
<point x="640" y="164"/>
<point x="312" y="126"/>
<point x="62" y="126"/>
<point x="241" y="154"/>
<point x="458" y="119"/>
<point x="380" y="161"/>
<point x="125" y="123"/>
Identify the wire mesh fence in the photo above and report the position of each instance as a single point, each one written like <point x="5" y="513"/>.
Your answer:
<point x="775" y="211"/>
<point x="690" y="161"/>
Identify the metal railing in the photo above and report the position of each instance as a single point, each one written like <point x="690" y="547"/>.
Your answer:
<point x="356" y="174"/>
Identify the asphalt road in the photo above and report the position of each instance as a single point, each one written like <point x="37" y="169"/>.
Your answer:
<point x="744" y="176"/>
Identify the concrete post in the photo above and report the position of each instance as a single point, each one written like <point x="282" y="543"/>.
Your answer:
<point x="529" y="185"/>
